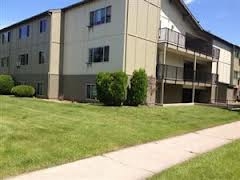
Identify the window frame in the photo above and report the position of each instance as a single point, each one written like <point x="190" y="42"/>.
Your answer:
<point x="41" y="57"/>
<point x="100" y="16"/>
<point x="5" y="61"/>
<point x="6" y="37"/>
<point x="43" y="26"/>
<point x="23" y="59"/>
<point x="105" y="56"/>
<point x="91" y="97"/>
<point x="41" y="89"/>
<point x="24" y="32"/>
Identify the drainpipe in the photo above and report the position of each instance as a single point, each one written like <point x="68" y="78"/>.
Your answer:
<point x="194" y="78"/>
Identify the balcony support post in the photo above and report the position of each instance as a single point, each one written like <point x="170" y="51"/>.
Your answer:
<point x="163" y="78"/>
<point x="194" y="78"/>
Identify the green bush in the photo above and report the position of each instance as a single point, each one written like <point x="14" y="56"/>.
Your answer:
<point x="23" y="91"/>
<point x="112" y="88"/>
<point x="6" y="84"/>
<point x="103" y="88"/>
<point x="137" y="92"/>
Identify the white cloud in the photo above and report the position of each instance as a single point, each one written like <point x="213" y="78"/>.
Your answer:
<point x="189" y="1"/>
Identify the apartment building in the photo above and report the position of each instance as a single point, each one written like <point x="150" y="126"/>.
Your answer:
<point x="30" y="51"/>
<point x="61" y="51"/>
<point x="235" y="73"/>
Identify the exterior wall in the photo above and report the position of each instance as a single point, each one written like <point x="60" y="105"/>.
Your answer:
<point x="172" y="18"/>
<point x="36" y="42"/>
<point x="142" y="40"/>
<point x="173" y="60"/>
<point x="173" y="94"/>
<point x="55" y="53"/>
<point x="142" y="36"/>
<point x="74" y="86"/>
<point x="221" y="93"/>
<point x="236" y="68"/>
<point x="224" y="64"/>
<point x="78" y="38"/>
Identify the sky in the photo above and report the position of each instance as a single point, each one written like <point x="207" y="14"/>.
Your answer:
<point x="220" y="17"/>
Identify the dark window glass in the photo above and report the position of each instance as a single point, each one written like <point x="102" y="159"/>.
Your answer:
<point x="100" y="54"/>
<point x="23" y="59"/>
<point x="3" y="38"/>
<point x="24" y="32"/>
<point x="41" y="59"/>
<point x="2" y="62"/>
<point x="7" y="61"/>
<point x="9" y="36"/>
<point x="91" y="18"/>
<point x="43" y="26"/>
<point x="91" y="92"/>
<point x="39" y="89"/>
<point x="108" y="14"/>
<point x="6" y="37"/>
<point x="91" y="52"/>
<point x="106" y="53"/>
<point x="100" y="16"/>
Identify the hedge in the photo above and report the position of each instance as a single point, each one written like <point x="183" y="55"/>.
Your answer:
<point x="112" y="88"/>
<point x="137" y="92"/>
<point x="6" y="84"/>
<point x="23" y="91"/>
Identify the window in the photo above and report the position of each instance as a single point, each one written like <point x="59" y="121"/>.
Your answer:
<point x="236" y="75"/>
<point x="43" y="26"/>
<point x="24" y="32"/>
<point x="237" y="54"/>
<point x="5" y="62"/>
<point x="23" y="59"/>
<point x="6" y="37"/>
<point x="41" y="59"/>
<point x="39" y="88"/>
<point x="2" y="62"/>
<point x="101" y="16"/>
<point x="100" y="54"/>
<point x="91" y="91"/>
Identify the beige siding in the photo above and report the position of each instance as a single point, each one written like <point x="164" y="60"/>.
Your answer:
<point x="79" y="38"/>
<point x="32" y="45"/>
<point x="142" y="36"/>
<point x="171" y="17"/>
<point x="224" y="64"/>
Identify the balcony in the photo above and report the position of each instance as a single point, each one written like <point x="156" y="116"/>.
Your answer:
<point x="189" y="42"/>
<point x="181" y="75"/>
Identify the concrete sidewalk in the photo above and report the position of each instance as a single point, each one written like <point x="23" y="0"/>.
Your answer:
<point x="141" y="161"/>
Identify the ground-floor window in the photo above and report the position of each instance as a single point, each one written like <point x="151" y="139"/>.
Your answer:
<point x="39" y="88"/>
<point x="91" y="91"/>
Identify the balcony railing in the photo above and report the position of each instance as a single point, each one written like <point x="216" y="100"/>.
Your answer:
<point x="188" y="42"/>
<point x="173" y="73"/>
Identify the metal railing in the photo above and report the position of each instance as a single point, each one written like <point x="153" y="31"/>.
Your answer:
<point x="184" y="41"/>
<point x="173" y="73"/>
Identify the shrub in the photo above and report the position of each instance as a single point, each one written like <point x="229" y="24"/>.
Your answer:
<point x="119" y="88"/>
<point x="23" y="91"/>
<point x="103" y="88"/>
<point x="137" y="92"/>
<point x="6" y="84"/>
<point x="112" y="88"/>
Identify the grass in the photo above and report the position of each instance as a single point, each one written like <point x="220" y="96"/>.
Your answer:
<point x="35" y="134"/>
<point x="222" y="163"/>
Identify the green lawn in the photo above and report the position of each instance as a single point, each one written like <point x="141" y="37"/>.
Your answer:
<point x="221" y="164"/>
<point x="35" y="134"/>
